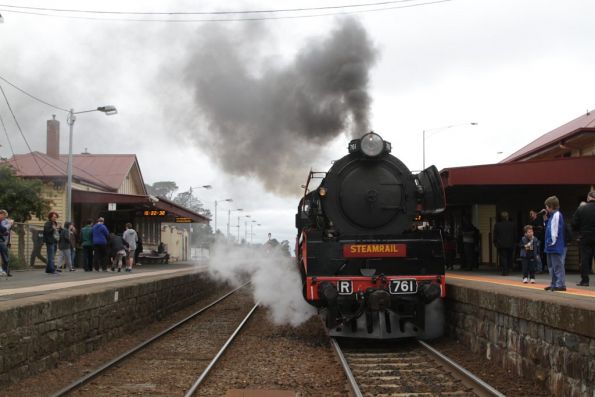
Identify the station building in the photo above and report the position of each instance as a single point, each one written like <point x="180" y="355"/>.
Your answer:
<point x="106" y="185"/>
<point x="560" y="162"/>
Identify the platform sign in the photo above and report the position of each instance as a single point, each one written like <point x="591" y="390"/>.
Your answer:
<point x="180" y="219"/>
<point x="111" y="206"/>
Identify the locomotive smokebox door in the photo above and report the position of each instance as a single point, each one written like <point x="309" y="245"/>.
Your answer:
<point x="433" y="193"/>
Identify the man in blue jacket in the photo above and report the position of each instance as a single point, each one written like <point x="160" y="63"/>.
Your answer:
<point x="100" y="240"/>
<point x="554" y="245"/>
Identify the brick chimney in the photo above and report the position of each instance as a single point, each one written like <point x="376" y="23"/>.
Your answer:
<point x="53" y="143"/>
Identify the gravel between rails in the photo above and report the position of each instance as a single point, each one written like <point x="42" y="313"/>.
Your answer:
<point x="170" y="365"/>
<point x="266" y="356"/>
<point x="505" y="381"/>
<point x="49" y="382"/>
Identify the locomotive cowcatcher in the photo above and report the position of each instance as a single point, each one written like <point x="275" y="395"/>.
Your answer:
<point x="363" y="263"/>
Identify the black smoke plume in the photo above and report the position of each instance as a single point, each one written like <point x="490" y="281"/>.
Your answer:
<point x="270" y="120"/>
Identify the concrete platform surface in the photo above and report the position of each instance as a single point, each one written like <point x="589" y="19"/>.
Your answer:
<point x="514" y="285"/>
<point x="35" y="282"/>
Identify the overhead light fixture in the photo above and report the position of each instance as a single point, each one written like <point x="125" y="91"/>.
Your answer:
<point x="108" y="110"/>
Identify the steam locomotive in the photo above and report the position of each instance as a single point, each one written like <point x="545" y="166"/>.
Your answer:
<point x="363" y="263"/>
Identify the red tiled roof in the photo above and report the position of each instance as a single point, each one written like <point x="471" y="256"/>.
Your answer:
<point x="586" y="121"/>
<point x="103" y="170"/>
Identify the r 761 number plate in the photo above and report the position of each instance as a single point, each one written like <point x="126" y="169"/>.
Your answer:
<point x="403" y="286"/>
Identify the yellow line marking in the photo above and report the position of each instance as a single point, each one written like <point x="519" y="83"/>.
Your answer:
<point x="536" y="286"/>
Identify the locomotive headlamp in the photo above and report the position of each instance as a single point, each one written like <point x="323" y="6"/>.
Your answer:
<point x="322" y="191"/>
<point x="372" y="144"/>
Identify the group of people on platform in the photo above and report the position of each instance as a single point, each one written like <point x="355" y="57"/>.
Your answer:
<point x="101" y="249"/>
<point x="545" y="239"/>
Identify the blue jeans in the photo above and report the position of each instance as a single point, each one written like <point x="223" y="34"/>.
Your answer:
<point x="529" y="265"/>
<point x="4" y="257"/>
<point x="88" y="257"/>
<point x="557" y="271"/>
<point x="49" y="267"/>
<point x="66" y="259"/>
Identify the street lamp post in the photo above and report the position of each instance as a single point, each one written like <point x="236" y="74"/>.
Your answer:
<point x="436" y="130"/>
<point x="218" y="201"/>
<point x="245" y="228"/>
<point x="252" y="231"/>
<point x="207" y="187"/>
<point x="70" y="119"/>
<point x="229" y="219"/>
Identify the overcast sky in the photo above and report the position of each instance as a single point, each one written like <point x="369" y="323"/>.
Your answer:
<point x="199" y="102"/>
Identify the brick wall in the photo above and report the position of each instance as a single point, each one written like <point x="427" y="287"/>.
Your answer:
<point x="38" y="332"/>
<point x="551" y="342"/>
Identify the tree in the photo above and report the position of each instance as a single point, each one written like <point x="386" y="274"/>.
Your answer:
<point x="162" y="189"/>
<point x="23" y="199"/>
<point x="284" y="247"/>
<point x="187" y="200"/>
<point x="202" y="233"/>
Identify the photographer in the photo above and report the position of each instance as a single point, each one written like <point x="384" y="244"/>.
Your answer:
<point x="5" y="225"/>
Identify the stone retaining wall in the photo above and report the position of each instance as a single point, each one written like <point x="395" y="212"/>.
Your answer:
<point x="38" y="332"/>
<point x="550" y="341"/>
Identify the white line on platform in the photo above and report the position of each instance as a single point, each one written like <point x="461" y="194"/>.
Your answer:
<point x="57" y="286"/>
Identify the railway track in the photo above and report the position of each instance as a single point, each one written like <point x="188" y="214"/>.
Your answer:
<point x="410" y="368"/>
<point x="169" y="362"/>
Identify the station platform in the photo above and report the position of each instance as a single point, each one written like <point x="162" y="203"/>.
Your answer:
<point x="35" y="282"/>
<point x="513" y="283"/>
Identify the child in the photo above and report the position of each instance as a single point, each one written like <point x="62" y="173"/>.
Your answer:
<point x="529" y="254"/>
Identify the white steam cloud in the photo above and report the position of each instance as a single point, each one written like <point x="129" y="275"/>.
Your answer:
<point x="275" y="280"/>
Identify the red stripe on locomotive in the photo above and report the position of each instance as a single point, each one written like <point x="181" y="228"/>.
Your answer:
<point x="360" y="284"/>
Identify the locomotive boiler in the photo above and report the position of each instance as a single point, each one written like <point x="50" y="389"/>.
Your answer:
<point x="363" y="263"/>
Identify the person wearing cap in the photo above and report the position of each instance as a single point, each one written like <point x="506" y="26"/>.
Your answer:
<point x="5" y="225"/>
<point x="583" y="222"/>
<point x="51" y="235"/>
<point x="100" y="239"/>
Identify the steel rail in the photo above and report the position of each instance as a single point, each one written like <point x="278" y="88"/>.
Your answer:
<point x="85" y="379"/>
<point x="481" y="387"/>
<point x="352" y="382"/>
<point x="206" y="371"/>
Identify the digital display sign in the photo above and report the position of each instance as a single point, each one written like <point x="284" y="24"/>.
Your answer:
<point x="154" y="213"/>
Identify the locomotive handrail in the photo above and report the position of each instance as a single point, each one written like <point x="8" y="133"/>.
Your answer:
<point x="313" y="175"/>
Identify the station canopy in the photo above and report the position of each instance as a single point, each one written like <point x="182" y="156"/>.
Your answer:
<point x="143" y="202"/>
